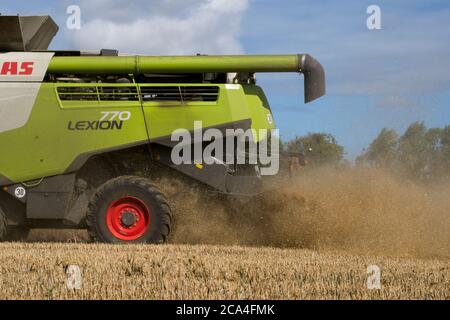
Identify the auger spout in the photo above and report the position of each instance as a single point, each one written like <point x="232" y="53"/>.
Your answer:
<point x="302" y="63"/>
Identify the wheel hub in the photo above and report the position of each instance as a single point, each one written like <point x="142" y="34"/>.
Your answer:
<point x="128" y="218"/>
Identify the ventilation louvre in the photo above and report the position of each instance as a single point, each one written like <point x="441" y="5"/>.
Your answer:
<point x="77" y="93"/>
<point x="156" y="94"/>
<point x="101" y="93"/>
<point x="179" y="94"/>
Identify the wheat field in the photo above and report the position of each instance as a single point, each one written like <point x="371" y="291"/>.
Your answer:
<point x="311" y="238"/>
<point x="39" y="271"/>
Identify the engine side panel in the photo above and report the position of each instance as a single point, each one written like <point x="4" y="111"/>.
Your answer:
<point x="54" y="137"/>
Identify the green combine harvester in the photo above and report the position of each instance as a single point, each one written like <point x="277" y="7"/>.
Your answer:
<point x="82" y="133"/>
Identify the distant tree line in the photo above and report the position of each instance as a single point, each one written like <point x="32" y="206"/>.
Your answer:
<point x="317" y="148"/>
<point x="420" y="153"/>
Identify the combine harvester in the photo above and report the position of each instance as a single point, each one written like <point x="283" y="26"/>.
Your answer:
<point x="82" y="133"/>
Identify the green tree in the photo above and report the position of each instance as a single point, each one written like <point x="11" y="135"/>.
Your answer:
<point x="433" y="137"/>
<point x="444" y="152"/>
<point x="434" y="159"/>
<point x="419" y="153"/>
<point x="319" y="148"/>
<point x="383" y="150"/>
<point x="413" y="150"/>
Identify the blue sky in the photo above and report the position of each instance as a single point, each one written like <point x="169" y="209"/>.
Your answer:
<point x="376" y="78"/>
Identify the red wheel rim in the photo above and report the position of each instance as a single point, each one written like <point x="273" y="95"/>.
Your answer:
<point x="128" y="218"/>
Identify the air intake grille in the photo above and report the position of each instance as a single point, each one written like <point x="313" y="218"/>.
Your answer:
<point x="161" y="93"/>
<point x="180" y="93"/>
<point x="118" y="94"/>
<point x="77" y="93"/>
<point x="98" y="93"/>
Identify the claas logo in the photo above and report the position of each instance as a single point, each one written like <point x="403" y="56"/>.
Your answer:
<point x="16" y="68"/>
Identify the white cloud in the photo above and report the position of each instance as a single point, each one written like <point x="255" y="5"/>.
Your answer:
<point x="162" y="27"/>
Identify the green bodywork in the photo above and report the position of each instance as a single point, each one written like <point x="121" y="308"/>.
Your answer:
<point x="47" y="145"/>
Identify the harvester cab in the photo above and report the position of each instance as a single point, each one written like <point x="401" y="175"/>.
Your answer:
<point x="89" y="133"/>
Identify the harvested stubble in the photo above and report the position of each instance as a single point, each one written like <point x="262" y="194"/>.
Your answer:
<point x="38" y="271"/>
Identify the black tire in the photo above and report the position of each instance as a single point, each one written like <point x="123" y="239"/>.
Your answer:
<point x="3" y="225"/>
<point x="102" y="207"/>
<point x="17" y="233"/>
<point x="11" y="233"/>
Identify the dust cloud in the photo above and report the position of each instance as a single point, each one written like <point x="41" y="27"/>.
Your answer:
<point x="356" y="209"/>
<point x="364" y="210"/>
